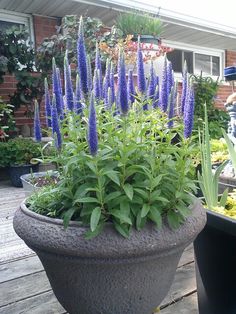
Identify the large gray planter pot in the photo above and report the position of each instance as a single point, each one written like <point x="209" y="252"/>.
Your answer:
<point x="108" y="274"/>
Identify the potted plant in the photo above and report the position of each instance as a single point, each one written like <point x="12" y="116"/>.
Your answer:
<point x="112" y="231"/>
<point x="148" y="27"/>
<point x="214" y="246"/>
<point x="34" y="181"/>
<point x="19" y="153"/>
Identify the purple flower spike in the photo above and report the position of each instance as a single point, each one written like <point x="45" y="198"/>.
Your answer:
<point x="55" y="124"/>
<point x="131" y="89"/>
<point x="81" y="58"/>
<point x="189" y="111"/>
<point x="112" y="84"/>
<point x="106" y="79"/>
<point x="89" y="74"/>
<point x="171" y="107"/>
<point x="92" y="128"/>
<point x="69" y="94"/>
<point x="170" y="78"/>
<point x="140" y="70"/>
<point x="108" y="99"/>
<point x="47" y="103"/>
<point x="152" y="83"/>
<point x="98" y="64"/>
<point x="57" y="88"/>
<point x="78" y="97"/>
<point x="156" y="98"/>
<point x="184" y="87"/>
<point x="96" y="84"/>
<point x="122" y="85"/>
<point x="164" y="85"/>
<point x="37" y="124"/>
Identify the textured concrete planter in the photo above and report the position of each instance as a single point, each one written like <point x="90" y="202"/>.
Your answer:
<point x="108" y="274"/>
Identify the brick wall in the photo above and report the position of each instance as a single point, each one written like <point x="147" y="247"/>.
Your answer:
<point x="43" y="27"/>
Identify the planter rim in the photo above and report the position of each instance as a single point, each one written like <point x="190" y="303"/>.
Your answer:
<point x="48" y="234"/>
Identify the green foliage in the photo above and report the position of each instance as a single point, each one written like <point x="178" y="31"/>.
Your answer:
<point x="66" y="38"/>
<point x="142" y="172"/>
<point x="18" y="57"/>
<point x="7" y="122"/>
<point x="219" y="151"/>
<point x="138" y="23"/>
<point x="205" y="92"/>
<point x="208" y="180"/>
<point x="231" y="149"/>
<point x="18" y="151"/>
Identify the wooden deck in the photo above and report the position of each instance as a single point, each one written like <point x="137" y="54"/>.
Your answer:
<point x="24" y="287"/>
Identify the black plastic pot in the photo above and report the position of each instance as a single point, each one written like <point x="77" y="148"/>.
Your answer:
<point x="108" y="274"/>
<point x="215" y="255"/>
<point x="16" y="172"/>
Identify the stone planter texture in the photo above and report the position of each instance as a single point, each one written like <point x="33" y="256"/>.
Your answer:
<point x="108" y="274"/>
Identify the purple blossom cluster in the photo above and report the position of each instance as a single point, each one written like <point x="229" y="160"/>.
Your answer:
<point x="120" y="95"/>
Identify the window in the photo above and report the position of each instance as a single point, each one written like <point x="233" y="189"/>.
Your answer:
<point x="209" y="63"/>
<point x="9" y="19"/>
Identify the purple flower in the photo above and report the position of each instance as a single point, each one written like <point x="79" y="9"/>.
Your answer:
<point x="69" y="94"/>
<point x="37" y="124"/>
<point x="171" y="107"/>
<point x="155" y="103"/>
<point x="81" y="58"/>
<point x="78" y="97"/>
<point x="98" y="64"/>
<point x="57" y="88"/>
<point x="164" y="85"/>
<point x="106" y="83"/>
<point x="152" y="83"/>
<point x="55" y="124"/>
<point x="89" y="74"/>
<point x="112" y="84"/>
<point x="92" y="128"/>
<point x="108" y="99"/>
<point x="47" y="103"/>
<point x="131" y="89"/>
<point x="189" y="111"/>
<point x="170" y="77"/>
<point x="184" y="87"/>
<point x="141" y="80"/>
<point x="96" y="85"/>
<point x="122" y="85"/>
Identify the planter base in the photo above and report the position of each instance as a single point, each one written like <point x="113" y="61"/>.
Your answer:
<point x="215" y="266"/>
<point x="108" y="274"/>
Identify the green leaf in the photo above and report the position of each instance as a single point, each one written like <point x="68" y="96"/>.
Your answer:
<point x="91" y="166"/>
<point x="94" y="219"/>
<point x="157" y="180"/>
<point x="91" y="234"/>
<point x="86" y="200"/>
<point x="224" y="197"/>
<point x="122" y="229"/>
<point x="155" y="216"/>
<point x="145" y="210"/>
<point x="143" y="193"/>
<point x="112" y="196"/>
<point x="173" y="219"/>
<point x="67" y="217"/>
<point x="129" y="190"/>
<point x="124" y="207"/>
<point x="140" y="222"/>
<point x="122" y="216"/>
<point x="113" y="175"/>
<point x="183" y="209"/>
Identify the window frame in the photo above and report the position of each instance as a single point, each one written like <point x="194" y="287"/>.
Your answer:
<point x="21" y="18"/>
<point x="201" y="50"/>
